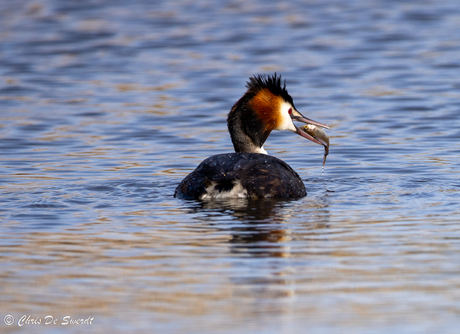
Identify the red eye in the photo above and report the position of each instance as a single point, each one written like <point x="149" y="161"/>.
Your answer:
<point x="290" y="111"/>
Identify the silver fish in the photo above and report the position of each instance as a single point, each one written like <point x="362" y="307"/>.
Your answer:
<point x="320" y="135"/>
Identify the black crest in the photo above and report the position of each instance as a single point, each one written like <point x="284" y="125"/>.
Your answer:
<point x="272" y="83"/>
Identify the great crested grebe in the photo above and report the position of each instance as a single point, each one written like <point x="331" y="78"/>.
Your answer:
<point x="251" y="172"/>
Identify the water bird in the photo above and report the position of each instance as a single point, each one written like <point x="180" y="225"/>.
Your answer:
<point x="250" y="172"/>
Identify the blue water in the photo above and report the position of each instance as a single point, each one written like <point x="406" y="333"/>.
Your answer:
<point x="106" y="105"/>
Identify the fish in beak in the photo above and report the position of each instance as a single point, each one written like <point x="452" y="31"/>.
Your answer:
<point x="312" y="131"/>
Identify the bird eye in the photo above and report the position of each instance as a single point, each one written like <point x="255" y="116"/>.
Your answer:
<point x="290" y="111"/>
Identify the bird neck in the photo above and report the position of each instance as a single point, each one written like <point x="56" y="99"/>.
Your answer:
<point x="247" y="129"/>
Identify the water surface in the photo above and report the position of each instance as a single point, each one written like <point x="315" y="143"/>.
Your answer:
<point x="107" y="105"/>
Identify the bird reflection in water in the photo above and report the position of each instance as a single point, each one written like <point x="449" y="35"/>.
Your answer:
<point x="260" y="229"/>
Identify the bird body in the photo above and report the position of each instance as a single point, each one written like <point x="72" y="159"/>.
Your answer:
<point x="241" y="175"/>
<point x="250" y="172"/>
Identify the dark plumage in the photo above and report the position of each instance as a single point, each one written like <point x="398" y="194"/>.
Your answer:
<point x="261" y="175"/>
<point x="273" y="83"/>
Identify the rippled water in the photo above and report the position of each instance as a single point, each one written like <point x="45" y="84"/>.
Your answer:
<point x="107" y="105"/>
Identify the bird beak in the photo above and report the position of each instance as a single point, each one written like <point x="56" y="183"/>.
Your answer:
<point x="297" y="116"/>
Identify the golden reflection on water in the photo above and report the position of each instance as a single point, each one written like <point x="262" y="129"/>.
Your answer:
<point x="137" y="87"/>
<point x="172" y="268"/>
